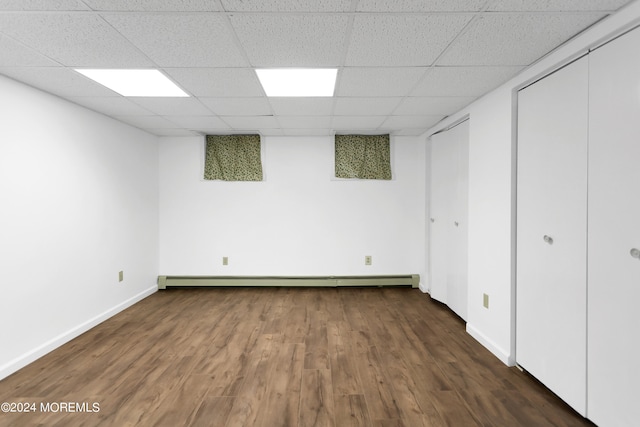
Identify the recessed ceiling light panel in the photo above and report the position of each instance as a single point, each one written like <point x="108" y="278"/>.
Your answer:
<point x="278" y="82"/>
<point x="150" y="83"/>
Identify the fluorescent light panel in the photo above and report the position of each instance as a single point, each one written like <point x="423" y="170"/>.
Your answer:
<point x="278" y="82"/>
<point x="150" y="83"/>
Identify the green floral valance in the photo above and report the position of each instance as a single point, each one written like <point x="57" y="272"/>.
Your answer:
<point x="363" y="156"/>
<point x="233" y="158"/>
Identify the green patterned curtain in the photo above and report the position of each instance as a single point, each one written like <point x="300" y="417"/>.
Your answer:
<point x="363" y="156"/>
<point x="233" y="158"/>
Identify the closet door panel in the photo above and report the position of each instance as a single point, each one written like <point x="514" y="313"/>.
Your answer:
<point x="551" y="232"/>
<point x="448" y="219"/>
<point x="442" y="186"/>
<point x="614" y="231"/>
<point x="458" y="289"/>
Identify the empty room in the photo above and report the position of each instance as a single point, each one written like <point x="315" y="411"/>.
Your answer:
<point x="319" y="213"/>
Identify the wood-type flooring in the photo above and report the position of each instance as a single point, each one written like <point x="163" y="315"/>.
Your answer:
<point x="280" y="357"/>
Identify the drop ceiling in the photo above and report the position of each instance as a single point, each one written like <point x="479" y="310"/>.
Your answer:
<point x="403" y="65"/>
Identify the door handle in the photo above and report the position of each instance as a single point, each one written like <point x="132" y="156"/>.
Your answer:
<point x="433" y="220"/>
<point x="635" y="253"/>
<point x="548" y="239"/>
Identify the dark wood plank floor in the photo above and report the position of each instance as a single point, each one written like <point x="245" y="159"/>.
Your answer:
<point x="282" y="357"/>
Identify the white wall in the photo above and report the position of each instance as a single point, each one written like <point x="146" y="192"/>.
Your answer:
<point x="492" y="155"/>
<point x="425" y="285"/>
<point x="298" y="221"/>
<point x="491" y="222"/>
<point x="78" y="203"/>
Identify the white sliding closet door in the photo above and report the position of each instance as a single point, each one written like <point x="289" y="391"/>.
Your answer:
<point x="457" y="290"/>
<point x="614" y="231"/>
<point x="448" y="222"/>
<point x="442" y="178"/>
<point x="551" y="232"/>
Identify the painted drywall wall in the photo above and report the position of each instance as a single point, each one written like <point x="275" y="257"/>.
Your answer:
<point x="298" y="221"/>
<point x="492" y="155"/>
<point x="425" y="285"/>
<point x="79" y="203"/>
<point x="491" y="222"/>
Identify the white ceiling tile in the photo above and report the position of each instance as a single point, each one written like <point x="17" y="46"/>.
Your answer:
<point x="292" y="40"/>
<point x="378" y="82"/>
<point x="357" y="122"/>
<point x="286" y="106"/>
<point x="198" y="122"/>
<point x="508" y="39"/>
<point x="420" y="5"/>
<point x="304" y="122"/>
<point x="287" y="6"/>
<point x="57" y="80"/>
<point x="365" y="106"/>
<point x="238" y="106"/>
<point x="307" y="132"/>
<point x="148" y="122"/>
<point x="401" y="40"/>
<point x="52" y="5"/>
<point x="436" y="105"/>
<point x="556" y="5"/>
<point x="75" y="40"/>
<point x="401" y="122"/>
<point x="172" y="132"/>
<point x="173" y="106"/>
<point x="181" y="40"/>
<point x="251" y="122"/>
<point x="111" y="105"/>
<point x="155" y="5"/>
<point x="214" y="82"/>
<point x="208" y="46"/>
<point x="463" y="81"/>
<point x="15" y="54"/>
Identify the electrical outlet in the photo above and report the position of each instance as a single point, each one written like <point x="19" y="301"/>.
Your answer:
<point x="225" y="260"/>
<point x="485" y="300"/>
<point x="120" y="276"/>
<point x="367" y="260"/>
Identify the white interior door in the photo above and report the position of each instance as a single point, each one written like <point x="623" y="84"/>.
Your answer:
<point x="457" y="284"/>
<point x="614" y="230"/>
<point x="448" y="218"/>
<point x="551" y="232"/>
<point x="441" y="206"/>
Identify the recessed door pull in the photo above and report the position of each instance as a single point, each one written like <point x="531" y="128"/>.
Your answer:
<point x="635" y="253"/>
<point x="548" y="239"/>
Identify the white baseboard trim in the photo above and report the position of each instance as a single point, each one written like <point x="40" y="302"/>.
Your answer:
<point x="31" y="356"/>
<point x="423" y="288"/>
<point x="504" y="357"/>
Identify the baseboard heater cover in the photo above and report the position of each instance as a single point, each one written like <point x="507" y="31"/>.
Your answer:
<point x="310" y="281"/>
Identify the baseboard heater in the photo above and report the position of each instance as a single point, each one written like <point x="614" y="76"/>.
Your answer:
<point x="310" y="281"/>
